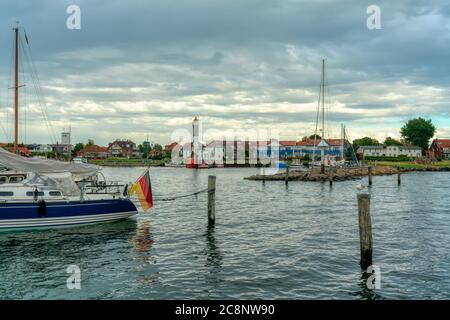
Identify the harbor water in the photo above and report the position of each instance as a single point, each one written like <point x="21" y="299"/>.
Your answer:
<point x="270" y="241"/>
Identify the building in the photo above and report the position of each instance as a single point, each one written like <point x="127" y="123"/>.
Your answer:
<point x="168" y="148"/>
<point x="93" y="152"/>
<point x="40" y="148"/>
<point x="65" y="137"/>
<point x="64" y="149"/>
<point x="23" y="151"/>
<point x="439" y="148"/>
<point x="214" y="152"/>
<point x="390" y="151"/>
<point x="123" y="148"/>
<point x="309" y="147"/>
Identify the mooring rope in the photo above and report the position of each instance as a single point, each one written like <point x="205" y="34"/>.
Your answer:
<point x="159" y="198"/>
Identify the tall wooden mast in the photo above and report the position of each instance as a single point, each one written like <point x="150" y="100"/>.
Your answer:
<point x="16" y="91"/>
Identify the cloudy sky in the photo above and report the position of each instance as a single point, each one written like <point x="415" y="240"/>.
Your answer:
<point x="148" y="67"/>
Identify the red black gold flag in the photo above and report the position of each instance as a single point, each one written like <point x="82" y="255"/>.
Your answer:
<point x="143" y="188"/>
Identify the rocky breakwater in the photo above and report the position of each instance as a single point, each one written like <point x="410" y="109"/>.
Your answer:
<point x="339" y="174"/>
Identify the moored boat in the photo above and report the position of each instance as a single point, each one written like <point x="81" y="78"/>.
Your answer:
<point x="41" y="193"/>
<point x="37" y="193"/>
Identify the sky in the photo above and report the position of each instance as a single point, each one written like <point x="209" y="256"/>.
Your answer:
<point x="138" y="68"/>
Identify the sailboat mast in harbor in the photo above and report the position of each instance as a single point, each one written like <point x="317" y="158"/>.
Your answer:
<point x="16" y="90"/>
<point x="321" y="109"/>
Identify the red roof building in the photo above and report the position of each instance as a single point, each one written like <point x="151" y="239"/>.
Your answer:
<point x="439" y="148"/>
<point x="170" y="147"/>
<point x="123" y="148"/>
<point x="310" y="142"/>
<point x="23" y="151"/>
<point x="94" y="152"/>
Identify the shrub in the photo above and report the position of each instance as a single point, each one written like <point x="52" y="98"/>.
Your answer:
<point x="383" y="158"/>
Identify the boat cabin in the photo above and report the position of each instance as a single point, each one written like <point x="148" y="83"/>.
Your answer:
<point x="12" y="177"/>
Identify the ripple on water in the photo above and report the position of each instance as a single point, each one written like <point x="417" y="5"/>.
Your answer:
<point x="299" y="242"/>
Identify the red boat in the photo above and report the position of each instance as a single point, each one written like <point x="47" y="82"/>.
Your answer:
<point x="190" y="164"/>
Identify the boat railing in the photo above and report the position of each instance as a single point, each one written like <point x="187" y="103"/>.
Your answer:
<point x="103" y="187"/>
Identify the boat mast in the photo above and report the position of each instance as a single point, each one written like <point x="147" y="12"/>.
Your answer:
<point x="323" y="99"/>
<point x="16" y="90"/>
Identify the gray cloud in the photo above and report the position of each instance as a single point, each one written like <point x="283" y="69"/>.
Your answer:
<point x="140" y="66"/>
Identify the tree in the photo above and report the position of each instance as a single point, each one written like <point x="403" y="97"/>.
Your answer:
<point x="366" y="141"/>
<point x="392" y="142"/>
<point x="315" y="136"/>
<point x="158" y="148"/>
<point x="90" y="142"/>
<point x="419" y="132"/>
<point x="78" y="147"/>
<point x="145" y="149"/>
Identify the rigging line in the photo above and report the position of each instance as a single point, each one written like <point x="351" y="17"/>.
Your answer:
<point x="327" y="104"/>
<point x="351" y="144"/>
<point x="8" y="120"/>
<point x="43" y="105"/>
<point x="317" y="119"/>
<point x="36" y="89"/>
<point x="38" y="92"/>
<point x="25" y="104"/>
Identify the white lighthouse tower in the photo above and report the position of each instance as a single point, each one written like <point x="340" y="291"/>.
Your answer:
<point x="196" y="144"/>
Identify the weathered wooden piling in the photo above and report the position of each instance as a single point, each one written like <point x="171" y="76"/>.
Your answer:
<point x="211" y="200"/>
<point x="286" y="178"/>
<point x="370" y="175"/>
<point x="263" y="175"/>
<point x="330" y="175"/>
<point x="399" y="177"/>
<point x="322" y="168"/>
<point x="365" y="230"/>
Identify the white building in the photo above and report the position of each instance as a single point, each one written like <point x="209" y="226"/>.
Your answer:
<point x="214" y="152"/>
<point x="41" y="148"/>
<point x="65" y="137"/>
<point x="390" y="151"/>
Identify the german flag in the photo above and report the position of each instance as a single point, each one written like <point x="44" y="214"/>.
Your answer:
<point x="143" y="188"/>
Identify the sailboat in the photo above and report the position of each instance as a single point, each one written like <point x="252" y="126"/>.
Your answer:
<point x="324" y="144"/>
<point x="43" y="193"/>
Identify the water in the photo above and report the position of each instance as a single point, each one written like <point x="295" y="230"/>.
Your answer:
<point x="270" y="242"/>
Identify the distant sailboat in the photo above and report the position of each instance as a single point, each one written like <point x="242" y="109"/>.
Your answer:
<point x="324" y="144"/>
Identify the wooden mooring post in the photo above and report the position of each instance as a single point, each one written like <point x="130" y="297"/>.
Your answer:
<point x="286" y="178"/>
<point x="211" y="200"/>
<point x="399" y="177"/>
<point x="330" y="175"/>
<point x="365" y="230"/>
<point x="370" y="175"/>
<point x="264" y="175"/>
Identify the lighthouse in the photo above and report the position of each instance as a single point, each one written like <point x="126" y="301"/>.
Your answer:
<point x="196" y="144"/>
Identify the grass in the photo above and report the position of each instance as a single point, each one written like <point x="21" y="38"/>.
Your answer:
<point x="125" y="162"/>
<point x="412" y="165"/>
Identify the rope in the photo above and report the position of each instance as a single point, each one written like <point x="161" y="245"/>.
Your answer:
<point x="157" y="199"/>
<point x="37" y="88"/>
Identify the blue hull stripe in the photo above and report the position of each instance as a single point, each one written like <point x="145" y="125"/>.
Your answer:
<point x="26" y="211"/>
